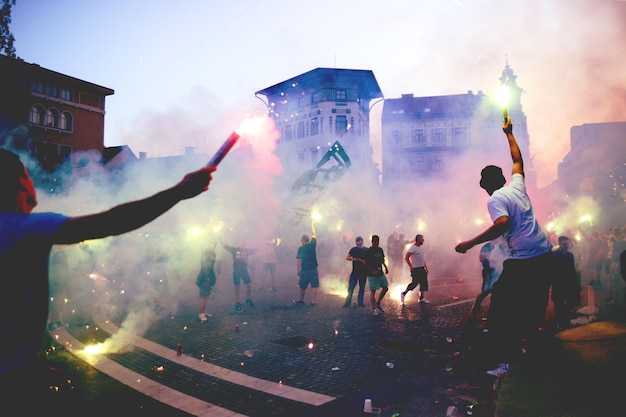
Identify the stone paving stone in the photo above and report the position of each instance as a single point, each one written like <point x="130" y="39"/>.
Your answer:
<point x="421" y="341"/>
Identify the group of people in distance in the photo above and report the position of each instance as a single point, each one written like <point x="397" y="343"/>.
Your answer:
<point x="518" y="298"/>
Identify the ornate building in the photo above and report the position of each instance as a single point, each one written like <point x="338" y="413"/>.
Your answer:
<point x="319" y="107"/>
<point x="424" y="137"/>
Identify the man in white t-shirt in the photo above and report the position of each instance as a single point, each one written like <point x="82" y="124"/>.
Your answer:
<point x="520" y="296"/>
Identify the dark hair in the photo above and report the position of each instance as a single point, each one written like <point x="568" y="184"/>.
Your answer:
<point x="491" y="178"/>
<point x="306" y="238"/>
<point x="11" y="169"/>
<point x="563" y="239"/>
<point x="358" y="239"/>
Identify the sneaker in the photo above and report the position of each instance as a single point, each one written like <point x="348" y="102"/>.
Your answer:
<point x="380" y="308"/>
<point x="346" y="305"/>
<point x="424" y="301"/>
<point x="203" y="317"/>
<point x="361" y="305"/>
<point x="312" y="305"/>
<point x="402" y="294"/>
<point x="501" y="370"/>
<point x="249" y="302"/>
<point x="375" y="311"/>
<point x="239" y="307"/>
<point x="298" y="302"/>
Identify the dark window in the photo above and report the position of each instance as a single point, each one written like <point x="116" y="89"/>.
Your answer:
<point x="67" y="94"/>
<point x="37" y="87"/>
<point x="288" y="133"/>
<point x="52" y="118"/>
<point x="53" y="91"/>
<point x="439" y="136"/>
<point x="341" y="125"/>
<point x="459" y="135"/>
<point x="340" y="95"/>
<point x="419" y="137"/>
<point x="36" y="114"/>
<point x="66" y="121"/>
<point x="315" y="127"/>
<point x="300" y="130"/>
<point x="396" y="137"/>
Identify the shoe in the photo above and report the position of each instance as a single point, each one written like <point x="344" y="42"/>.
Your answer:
<point x="375" y="311"/>
<point x="501" y="370"/>
<point x="203" y="317"/>
<point x="346" y="305"/>
<point x="380" y="308"/>
<point x="424" y="301"/>
<point x="312" y="305"/>
<point x="402" y="294"/>
<point x="249" y="302"/>
<point x="239" y="307"/>
<point x="298" y="302"/>
<point x="361" y="305"/>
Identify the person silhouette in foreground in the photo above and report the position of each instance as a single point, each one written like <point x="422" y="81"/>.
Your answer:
<point x="26" y="240"/>
<point x="520" y="296"/>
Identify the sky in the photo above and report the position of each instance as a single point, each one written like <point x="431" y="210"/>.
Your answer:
<point x="185" y="75"/>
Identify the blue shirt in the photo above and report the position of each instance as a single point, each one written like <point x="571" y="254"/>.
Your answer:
<point x="25" y="244"/>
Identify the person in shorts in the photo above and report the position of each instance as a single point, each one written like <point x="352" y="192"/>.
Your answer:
<point x="306" y="261"/>
<point x="377" y="280"/>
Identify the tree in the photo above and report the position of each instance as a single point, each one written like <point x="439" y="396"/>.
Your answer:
<point x="6" y="37"/>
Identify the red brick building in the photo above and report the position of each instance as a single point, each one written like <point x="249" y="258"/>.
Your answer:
<point x="63" y="116"/>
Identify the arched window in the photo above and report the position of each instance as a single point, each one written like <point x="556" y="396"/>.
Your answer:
<point x="52" y="118"/>
<point x="36" y="113"/>
<point x="66" y="121"/>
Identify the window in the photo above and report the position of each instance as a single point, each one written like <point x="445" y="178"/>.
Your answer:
<point x="340" y="95"/>
<point x="315" y="156"/>
<point x="459" y="135"/>
<point x="300" y="130"/>
<point x="53" y="91"/>
<point x="37" y="87"/>
<point x="420" y="165"/>
<point x="418" y="137"/>
<point x="51" y="119"/>
<point x="301" y="158"/>
<point x="341" y="125"/>
<point x="288" y="133"/>
<point x="396" y="137"/>
<point x="315" y="127"/>
<point x="315" y="98"/>
<point x="67" y="94"/>
<point x="438" y="166"/>
<point x="36" y="113"/>
<point x="439" y="136"/>
<point x="66" y="121"/>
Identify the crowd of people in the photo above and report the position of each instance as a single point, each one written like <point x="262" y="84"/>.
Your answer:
<point x="522" y="268"/>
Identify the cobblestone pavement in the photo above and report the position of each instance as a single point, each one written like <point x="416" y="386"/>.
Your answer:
<point x="415" y="360"/>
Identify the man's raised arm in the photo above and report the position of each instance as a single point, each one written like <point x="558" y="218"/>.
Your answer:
<point x="516" y="154"/>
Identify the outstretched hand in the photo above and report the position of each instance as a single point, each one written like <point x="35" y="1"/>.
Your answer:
<point x="463" y="247"/>
<point x="195" y="182"/>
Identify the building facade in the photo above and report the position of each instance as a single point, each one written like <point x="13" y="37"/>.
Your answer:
<point x="64" y="116"/>
<point x="425" y="137"/>
<point x="596" y="167"/>
<point x="317" y="108"/>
